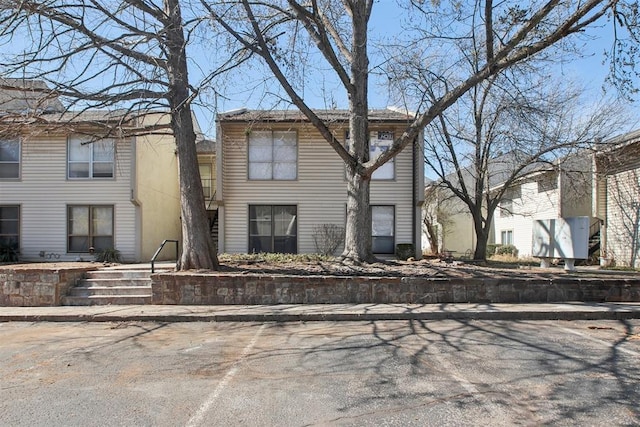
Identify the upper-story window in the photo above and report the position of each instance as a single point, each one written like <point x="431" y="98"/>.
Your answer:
<point x="90" y="159"/>
<point x="9" y="158"/>
<point x="379" y="143"/>
<point x="273" y="155"/>
<point x="207" y="180"/>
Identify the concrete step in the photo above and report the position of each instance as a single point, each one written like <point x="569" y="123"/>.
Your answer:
<point x="106" y="282"/>
<point x="118" y="274"/>
<point x="107" y="300"/>
<point x="112" y="290"/>
<point x="106" y="286"/>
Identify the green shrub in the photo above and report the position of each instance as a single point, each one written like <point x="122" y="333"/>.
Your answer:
<point x="109" y="255"/>
<point x="491" y="249"/>
<point x="506" y="250"/>
<point x="8" y="253"/>
<point x="405" y="251"/>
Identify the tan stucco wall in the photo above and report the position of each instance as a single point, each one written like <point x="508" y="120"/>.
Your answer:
<point x="157" y="191"/>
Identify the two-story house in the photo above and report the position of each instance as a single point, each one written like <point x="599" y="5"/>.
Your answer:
<point x="561" y="190"/>
<point x="75" y="183"/>
<point x="278" y="180"/>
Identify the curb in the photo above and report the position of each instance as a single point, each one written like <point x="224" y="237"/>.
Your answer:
<point x="334" y="314"/>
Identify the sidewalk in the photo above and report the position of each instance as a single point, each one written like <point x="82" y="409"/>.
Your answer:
<point x="322" y="312"/>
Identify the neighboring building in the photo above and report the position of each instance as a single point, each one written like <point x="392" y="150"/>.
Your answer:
<point x="617" y="200"/>
<point x="451" y="221"/>
<point x="559" y="190"/>
<point x="65" y="193"/>
<point x="278" y="179"/>
<point x="206" y="150"/>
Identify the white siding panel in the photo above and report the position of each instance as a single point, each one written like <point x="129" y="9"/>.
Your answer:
<point x="44" y="193"/>
<point x="529" y="206"/>
<point x="319" y="192"/>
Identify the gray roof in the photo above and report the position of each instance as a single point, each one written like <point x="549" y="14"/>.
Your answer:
<point x="21" y="96"/>
<point x="205" y="146"/>
<point x="244" y="115"/>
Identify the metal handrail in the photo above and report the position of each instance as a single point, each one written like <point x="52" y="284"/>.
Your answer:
<point x="153" y="258"/>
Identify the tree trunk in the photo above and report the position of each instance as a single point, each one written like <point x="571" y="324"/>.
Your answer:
<point x="432" y="235"/>
<point x="198" y="249"/>
<point x="482" y="238"/>
<point x="480" y="253"/>
<point x="357" y="242"/>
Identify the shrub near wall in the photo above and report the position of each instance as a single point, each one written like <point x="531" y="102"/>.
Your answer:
<point x="22" y="286"/>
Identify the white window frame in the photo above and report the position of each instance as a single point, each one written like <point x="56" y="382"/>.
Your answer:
<point x="91" y="234"/>
<point x="6" y="162"/>
<point x="506" y="237"/>
<point x="92" y="157"/>
<point x="266" y="148"/>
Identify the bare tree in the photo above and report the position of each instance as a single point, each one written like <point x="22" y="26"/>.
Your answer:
<point x="501" y="132"/>
<point x="505" y="34"/>
<point x="118" y="54"/>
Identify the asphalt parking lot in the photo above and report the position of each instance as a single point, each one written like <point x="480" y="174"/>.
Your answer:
<point x="449" y="372"/>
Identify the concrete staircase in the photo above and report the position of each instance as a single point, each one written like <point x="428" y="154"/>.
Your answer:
<point x="111" y="286"/>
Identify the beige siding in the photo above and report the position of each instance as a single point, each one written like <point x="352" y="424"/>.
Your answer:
<point x="623" y="218"/>
<point x="319" y="191"/>
<point x="157" y="191"/>
<point x="43" y="193"/>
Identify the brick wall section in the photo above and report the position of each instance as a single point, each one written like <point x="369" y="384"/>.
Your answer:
<point x="26" y="287"/>
<point x="213" y="289"/>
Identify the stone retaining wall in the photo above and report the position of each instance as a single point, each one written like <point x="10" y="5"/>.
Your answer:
<point x="27" y="287"/>
<point x="213" y="289"/>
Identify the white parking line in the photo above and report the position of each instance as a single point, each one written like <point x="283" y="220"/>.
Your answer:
<point x="604" y="343"/>
<point x="204" y="408"/>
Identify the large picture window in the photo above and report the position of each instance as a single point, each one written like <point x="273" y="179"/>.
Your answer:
<point x="90" y="159"/>
<point x="273" y="155"/>
<point x="9" y="159"/>
<point x="273" y="228"/>
<point x="89" y="227"/>
<point x="382" y="229"/>
<point x="10" y="227"/>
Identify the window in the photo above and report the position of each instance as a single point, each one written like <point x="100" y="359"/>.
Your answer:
<point x="10" y="227"/>
<point x="273" y="155"/>
<point x="382" y="229"/>
<point x="273" y="229"/>
<point x="9" y="159"/>
<point x="506" y="208"/>
<point x="90" y="159"/>
<point x="506" y="237"/>
<point x="207" y="181"/>
<point x="379" y="143"/>
<point x="89" y="226"/>
<point x="548" y="182"/>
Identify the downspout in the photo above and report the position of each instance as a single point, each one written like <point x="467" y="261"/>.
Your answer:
<point x="219" y="194"/>
<point x="133" y="194"/>
<point x="418" y="193"/>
